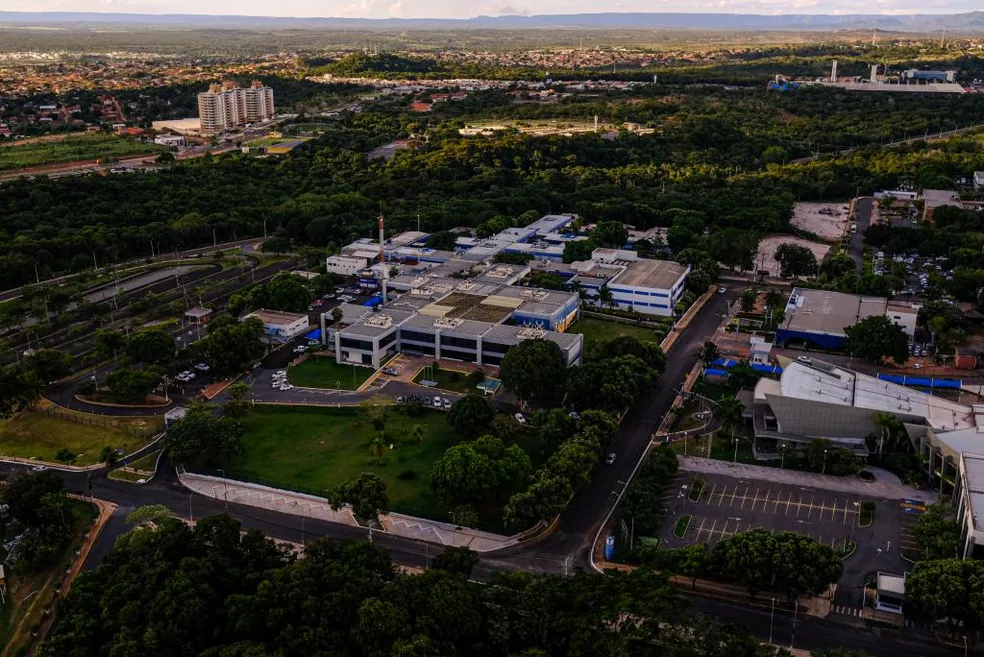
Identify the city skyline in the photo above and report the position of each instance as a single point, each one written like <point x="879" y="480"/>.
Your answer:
<point x="445" y="9"/>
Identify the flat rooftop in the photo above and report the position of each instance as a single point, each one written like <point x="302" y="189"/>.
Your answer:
<point x="462" y="305"/>
<point x="821" y="311"/>
<point x="275" y="317"/>
<point x="655" y="274"/>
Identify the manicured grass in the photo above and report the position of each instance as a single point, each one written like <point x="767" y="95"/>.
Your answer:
<point x="867" y="514"/>
<point x="127" y="475"/>
<point x="599" y="330"/>
<point x="680" y="529"/>
<point x="696" y="488"/>
<point x="326" y="373"/>
<point x="39" y="435"/>
<point x="450" y="380"/>
<point x="147" y="463"/>
<point x="70" y="149"/>
<point x="314" y="449"/>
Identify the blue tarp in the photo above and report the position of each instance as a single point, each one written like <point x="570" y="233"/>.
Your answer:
<point x="373" y="301"/>
<point x="314" y="335"/>
<point x="727" y="364"/>
<point x="713" y="372"/>
<point x="922" y="382"/>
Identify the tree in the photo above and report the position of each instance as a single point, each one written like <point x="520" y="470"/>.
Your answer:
<point x="366" y="494"/>
<point x="605" y="296"/>
<point x="336" y="315"/>
<point x="823" y="456"/>
<point x="936" y="533"/>
<point x="464" y="475"/>
<point x="151" y="345"/>
<point x="553" y="427"/>
<point x="891" y="430"/>
<point x="24" y="494"/>
<point x="231" y="346"/>
<point x="108" y="456"/>
<point x="278" y="245"/>
<point x="747" y="299"/>
<point x="610" y="233"/>
<point x="442" y="240"/>
<point x="49" y="364"/>
<point x="795" y="260"/>
<point x="535" y="370"/>
<point x="237" y="404"/>
<point x="418" y="433"/>
<point x="201" y="439"/>
<point x="471" y="415"/>
<point x="709" y="352"/>
<point x="729" y="411"/>
<point x="130" y="385"/>
<point x="109" y="343"/>
<point x="877" y="337"/>
<point x="456" y="560"/>
<point x="734" y="248"/>
<point x="947" y="588"/>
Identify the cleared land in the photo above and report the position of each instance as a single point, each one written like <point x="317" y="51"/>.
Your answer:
<point x="40" y="435"/>
<point x="326" y="373"/>
<point x="71" y="149"/>
<point x="599" y="330"/>
<point x="315" y="449"/>
<point x="766" y="257"/>
<point x="825" y="220"/>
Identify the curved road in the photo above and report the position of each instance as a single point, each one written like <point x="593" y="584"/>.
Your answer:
<point x="564" y="549"/>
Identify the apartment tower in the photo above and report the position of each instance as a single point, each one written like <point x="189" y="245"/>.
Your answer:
<point x="228" y="105"/>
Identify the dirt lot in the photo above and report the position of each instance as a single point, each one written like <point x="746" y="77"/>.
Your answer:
<point x="766" y="256"/>
<point x="808" y="217"/>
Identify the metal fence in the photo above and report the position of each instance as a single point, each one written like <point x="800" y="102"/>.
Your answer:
<point x="106" y="422"/>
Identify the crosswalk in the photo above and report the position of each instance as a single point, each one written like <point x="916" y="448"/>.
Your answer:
<point x="846" y="611"/>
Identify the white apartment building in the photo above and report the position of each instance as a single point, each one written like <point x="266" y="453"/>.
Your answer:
<point x="228" y="106"/>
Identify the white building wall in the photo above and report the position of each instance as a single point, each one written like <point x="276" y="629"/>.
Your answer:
<point x="345" y="266"/>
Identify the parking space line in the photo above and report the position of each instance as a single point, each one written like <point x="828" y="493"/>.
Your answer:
<point x="755" y="499"/>
<point x="833" y="511"/>
<point x="744" y="497"/>
<point x="701" y="528"/>
<point x="710" y="495"/>
<point x="733" y="493"/>
<point x="775" y="508"/>
<point x="710" y="532"/>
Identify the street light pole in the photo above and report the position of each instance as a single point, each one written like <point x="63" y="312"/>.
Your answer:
<point x="782" y="456"/>
<point x="824" y="469"/>
<point x="225" y="489"/>
<point x="191" y="516"/>
<point x="736" y="448"/>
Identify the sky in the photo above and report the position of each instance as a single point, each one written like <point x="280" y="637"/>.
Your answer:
<point x="467" y="9"/>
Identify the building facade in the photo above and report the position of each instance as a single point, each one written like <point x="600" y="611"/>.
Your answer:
<point x="280" y="326"/>
<point x="228" y="106"/>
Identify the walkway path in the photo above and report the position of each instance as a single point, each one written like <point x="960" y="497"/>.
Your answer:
<point x="310" y="506"/>
<point x="885" y="486"/>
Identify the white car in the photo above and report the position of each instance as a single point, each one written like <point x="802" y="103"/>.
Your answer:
<point x="300" y="349"/>
<point x="280" y="373"/>
<point x="201" y="367"/>
<point x="39" y="468"/>
<point x="285" y="387"/>
<point x="610" y="459"/>
<point x="447" y="404"/>
<point x="804" y="359"/>
<point x="437" y="401"/>
<point x="520" y="418"/>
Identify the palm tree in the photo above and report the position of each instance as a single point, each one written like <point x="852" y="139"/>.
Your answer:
<point x="890" y="429"/>
<point x="418" y="434"/>
<point x="774" y="299"/>
<point x="729" y="411"/>
<point x="605" y="296"/>
<point x="377" y="446"/>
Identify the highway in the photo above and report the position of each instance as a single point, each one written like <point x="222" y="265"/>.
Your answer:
<point x="557" y="553"/>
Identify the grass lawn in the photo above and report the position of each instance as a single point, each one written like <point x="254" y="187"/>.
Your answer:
<point x="39" y="435"/>
<point x="680" y="528"/>
<point x="70" y="149"/>
<point x="598" y="330"/>
<point x="326" y="373"/>
<point x="450" y="380"/>
<point x="147" y="463"/>
<point x="314" y="449"/>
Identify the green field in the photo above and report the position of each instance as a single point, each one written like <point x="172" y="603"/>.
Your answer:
<point x="38" y="435"/>
<point x="598" y="330"/>
<point x="70" y="149"/>
<point x="326" y="373"/>
<point x="314" y="449"/>
<point x="450" y="380"/>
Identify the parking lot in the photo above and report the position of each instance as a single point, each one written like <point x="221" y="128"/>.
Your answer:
<point x="727" y="506"/>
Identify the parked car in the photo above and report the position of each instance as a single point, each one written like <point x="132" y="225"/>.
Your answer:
<point x="201" y="367"/>
<point x="392" y="371"/>
<point x="400" y="400"/>
<point x="804" y="359"/>
<point x="300" y="349"/>
<point x="610" y="459"/>
<point x="520" y="418"/>
<point x="447" y="404"/>
<point x="437" y="401"/>
<point x="284" y="387"/>
<point x="39" y="468"/>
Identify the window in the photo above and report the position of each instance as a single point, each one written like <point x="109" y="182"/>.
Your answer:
<point x="451" y="341"/>
<point x="357" y="344"/>
<point x="417" y="336"/>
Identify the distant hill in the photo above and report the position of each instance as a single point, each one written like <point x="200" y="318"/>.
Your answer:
<point x="969" y="22"/>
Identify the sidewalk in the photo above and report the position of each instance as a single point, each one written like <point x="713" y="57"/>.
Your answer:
<point x="310" y="506"/>
<point x="885" y="486"/>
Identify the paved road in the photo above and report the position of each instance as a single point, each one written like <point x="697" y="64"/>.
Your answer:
<point x="557" y="554"/>
<point x="863" y="209"/>
<point x="590" y="506"/>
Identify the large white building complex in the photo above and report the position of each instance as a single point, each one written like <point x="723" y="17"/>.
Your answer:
<point x="228" y="106"/>
<point x="820" y="400"/>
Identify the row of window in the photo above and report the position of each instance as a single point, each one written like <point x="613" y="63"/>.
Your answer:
<point x="638" y="293"/>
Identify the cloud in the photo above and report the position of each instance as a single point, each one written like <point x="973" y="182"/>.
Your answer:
<point x="396" y="8"/>
<point x="506" y="9"/>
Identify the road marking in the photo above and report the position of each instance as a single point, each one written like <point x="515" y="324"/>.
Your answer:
<point x="701" y="529"/>
<point x="744" y="498"/>
<point x="733" y="493"/>
<point x="710" y="532"/>
<point x="755" y="499"/>
<point x="787" y="504"/>
<point x="711" y="496"/>
<point x="775" y="509"/>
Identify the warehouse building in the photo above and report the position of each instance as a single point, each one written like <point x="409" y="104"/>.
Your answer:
<point x="280" y="326"/>
<point x="819" y="317"/>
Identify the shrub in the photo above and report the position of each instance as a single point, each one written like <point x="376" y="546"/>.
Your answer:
<point x="408" y="475"/>
<point x="65" y="455"/>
